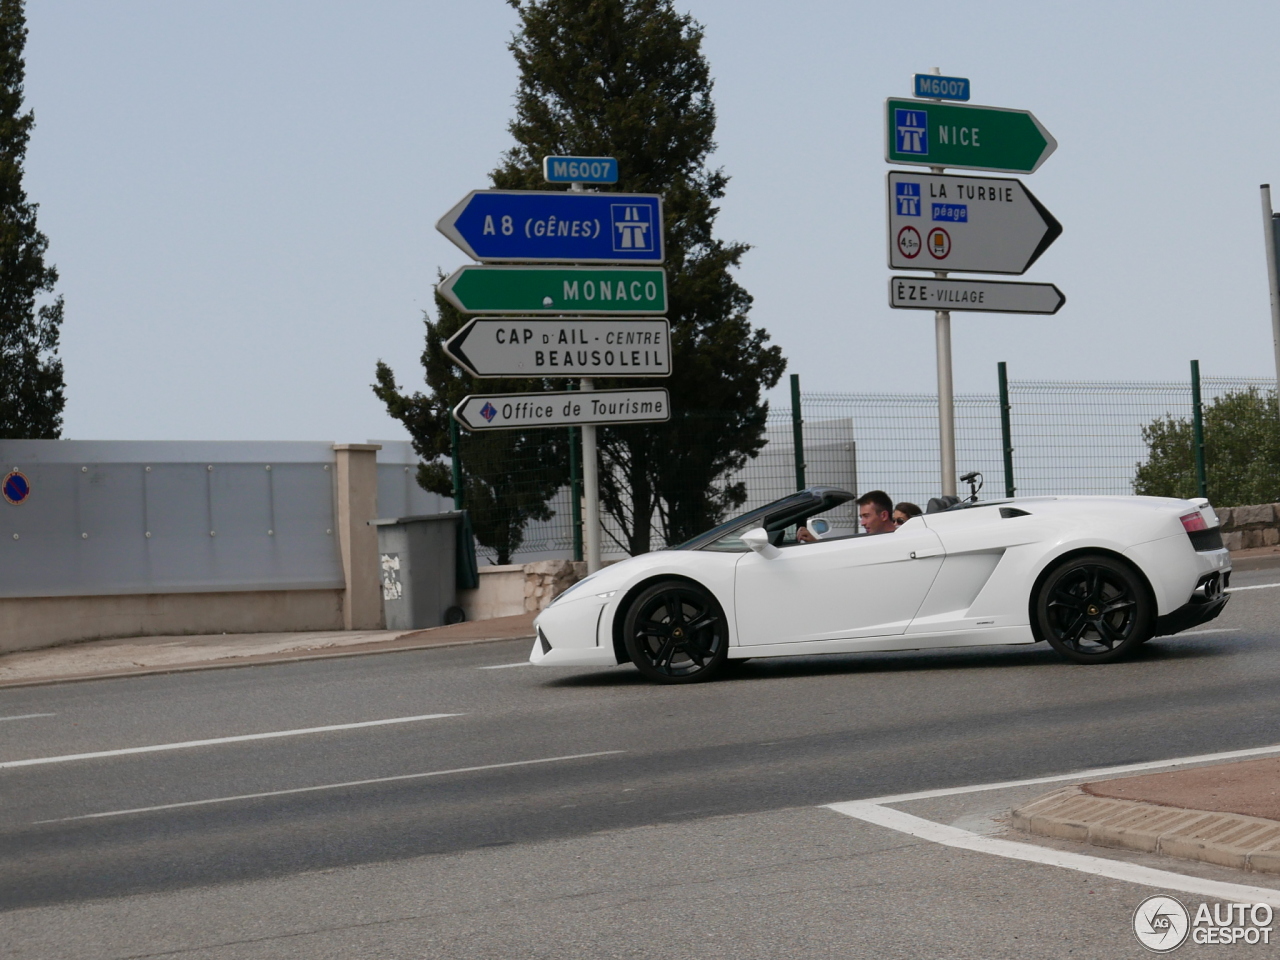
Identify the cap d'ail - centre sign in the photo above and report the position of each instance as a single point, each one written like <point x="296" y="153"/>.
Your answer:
<point x="563" y="280"/>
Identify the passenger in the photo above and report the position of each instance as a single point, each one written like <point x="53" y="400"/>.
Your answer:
<point x="875" y="510"/>
<point x="804" y="536"/>
<point x="904" y="512"/>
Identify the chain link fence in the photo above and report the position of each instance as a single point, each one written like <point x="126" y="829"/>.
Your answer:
<point x="1068" y="437"/>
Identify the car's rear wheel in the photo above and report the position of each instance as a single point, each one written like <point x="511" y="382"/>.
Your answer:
<point x="1094" y="609"/>
<point x="675" y="632"/>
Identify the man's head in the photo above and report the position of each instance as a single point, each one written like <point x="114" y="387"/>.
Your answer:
<point x="875" y="511"/>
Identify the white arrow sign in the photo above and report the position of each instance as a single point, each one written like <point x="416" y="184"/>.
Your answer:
<point x="971" y="224"/>
<point x="981" y="296"/>
<point x="527" y="347"/>
<point x="511" y="411"/>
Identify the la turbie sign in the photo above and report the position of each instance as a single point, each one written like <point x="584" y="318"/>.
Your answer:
<point x="971" y="224"/>
<point x="511" y="411"/>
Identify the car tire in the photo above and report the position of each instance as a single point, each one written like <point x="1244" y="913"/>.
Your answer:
<point x="675" y="632"/>
<point x="1094" y="609"/>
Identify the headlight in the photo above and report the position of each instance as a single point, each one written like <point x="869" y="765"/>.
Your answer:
<point x="564" y="594"/>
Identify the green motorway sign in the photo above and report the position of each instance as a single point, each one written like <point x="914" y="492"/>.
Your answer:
<point x="961" y="135"/>
<point x="607" y="291"/>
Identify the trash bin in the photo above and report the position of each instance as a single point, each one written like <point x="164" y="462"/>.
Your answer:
<point x="419" y="573"/>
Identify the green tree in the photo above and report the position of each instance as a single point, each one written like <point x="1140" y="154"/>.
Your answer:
<point x="1241" y="452"/>
<point x="508" y="475"/>
<point x="31" y="387"/>
<point x="627" y="78"/>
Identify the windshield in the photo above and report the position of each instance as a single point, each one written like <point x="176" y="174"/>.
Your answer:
<point x="775" y="517"/>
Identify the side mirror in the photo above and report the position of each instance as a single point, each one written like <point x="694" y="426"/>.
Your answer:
<point x="757" y="539"/>
<point x="819" y="527"/>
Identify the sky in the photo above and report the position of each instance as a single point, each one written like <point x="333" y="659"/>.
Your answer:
<point x="241" y="197"/>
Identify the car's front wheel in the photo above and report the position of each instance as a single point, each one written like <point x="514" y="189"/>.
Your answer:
<point x="1094" y="609"/>
<point x="675" y="632"/>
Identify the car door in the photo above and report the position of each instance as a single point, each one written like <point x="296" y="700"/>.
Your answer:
<point x="867" y="586"/>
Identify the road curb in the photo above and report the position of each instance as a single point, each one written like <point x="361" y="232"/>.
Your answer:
<point x="243" y="662"/>
<point x="1225" y="839"/>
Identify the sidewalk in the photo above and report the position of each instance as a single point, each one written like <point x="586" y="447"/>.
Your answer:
<point x="98" y="659"/>
<point x="1227" y="814"/>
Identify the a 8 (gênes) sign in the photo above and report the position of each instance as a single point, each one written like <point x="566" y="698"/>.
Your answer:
<point x="962" y="135"/>
<point x="529" y="347"/>
<point x="580" y="169"/>
<point x="971" y="224"/>
<point x="509" y="411"/>
<point x="552" y="226"/>
<point x="607" y="291"/>
<point x="942" y="88"/>
<point x="980" y="296"/>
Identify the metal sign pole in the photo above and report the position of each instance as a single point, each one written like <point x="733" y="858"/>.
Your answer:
<point x="590" y="474"/>
<point x="946" y="398"/>
<point x="1269" y="226"/>
<point x="946" y="401"/>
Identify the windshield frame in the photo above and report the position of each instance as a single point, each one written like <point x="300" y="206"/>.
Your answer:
<point x="793" y="508"/>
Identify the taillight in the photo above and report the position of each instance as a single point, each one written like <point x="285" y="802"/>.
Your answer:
<point x="1192" y="522"/>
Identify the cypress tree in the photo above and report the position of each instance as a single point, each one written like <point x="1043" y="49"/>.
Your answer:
<point x="31" y="386"/>
<point x="627" y="78"/>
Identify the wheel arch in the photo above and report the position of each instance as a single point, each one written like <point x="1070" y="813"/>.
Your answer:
<point x="620" y="612"/>
<point x="1069" y="555"/>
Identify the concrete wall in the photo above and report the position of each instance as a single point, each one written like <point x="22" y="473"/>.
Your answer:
<point x="119" y="539"/>
<point x="28" y="623"/>
<point x="1253" y="526"/>
<point x="516" y="588"/>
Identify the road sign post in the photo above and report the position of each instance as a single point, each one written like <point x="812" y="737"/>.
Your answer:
<point x="947" y="223"/>
<point x="534" y="347"/>
<point x="934" y="134"/>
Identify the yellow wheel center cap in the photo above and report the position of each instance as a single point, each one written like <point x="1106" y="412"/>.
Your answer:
<point x="1093" y="611"/>
<point x="677" y="633"/>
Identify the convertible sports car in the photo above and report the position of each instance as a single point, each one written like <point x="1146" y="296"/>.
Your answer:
<point x="1094" y="576"/>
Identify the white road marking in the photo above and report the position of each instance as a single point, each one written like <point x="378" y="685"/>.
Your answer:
<point x="873" y="811"/>
<point x="332" y="786"/>
<point x="187" y="744"/>
<point x="1196" y="633"/>
<point x="1098" y="866"/>
<point x="29" y="716"/>
<point x="505" y="666"/>
<point x="1255" y="586"/>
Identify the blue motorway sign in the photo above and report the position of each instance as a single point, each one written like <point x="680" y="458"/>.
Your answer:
<point x="941" y="88"/>
<point x="580" y="169"/>
<point x="536" y="226"/>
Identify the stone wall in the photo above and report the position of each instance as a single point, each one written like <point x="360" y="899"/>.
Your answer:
<point x="1252" y="526"/>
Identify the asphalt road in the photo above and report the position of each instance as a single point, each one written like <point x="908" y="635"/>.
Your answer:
<point x="585" y="812"/>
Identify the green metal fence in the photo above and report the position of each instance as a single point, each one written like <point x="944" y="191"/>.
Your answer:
<point x="1063" y="437"/>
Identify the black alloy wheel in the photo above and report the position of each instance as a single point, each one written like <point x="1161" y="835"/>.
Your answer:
<point x="1094" y="609"/>
<point x="675" y="632"/>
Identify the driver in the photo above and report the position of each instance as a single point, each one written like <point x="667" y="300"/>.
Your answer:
<point x="875" y="511"/>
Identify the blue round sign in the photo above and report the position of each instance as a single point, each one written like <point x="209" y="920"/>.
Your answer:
<point x="15" y="487"/>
